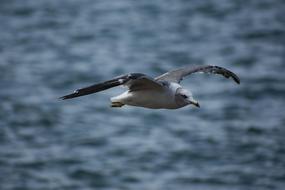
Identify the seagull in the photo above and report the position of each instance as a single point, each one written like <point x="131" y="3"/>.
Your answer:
<point x="162" y="92"/>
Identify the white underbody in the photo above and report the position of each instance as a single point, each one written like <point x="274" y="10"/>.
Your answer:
<point x="149" y="98"/>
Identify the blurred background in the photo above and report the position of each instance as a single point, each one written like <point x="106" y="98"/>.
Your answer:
<point x="49" y="48"/>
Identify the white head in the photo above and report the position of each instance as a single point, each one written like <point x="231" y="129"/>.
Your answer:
<point x="184" y="97"/>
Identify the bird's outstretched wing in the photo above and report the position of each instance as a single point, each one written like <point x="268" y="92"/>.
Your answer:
<point x="178" y="74"/>
<point x="134" y="81"/>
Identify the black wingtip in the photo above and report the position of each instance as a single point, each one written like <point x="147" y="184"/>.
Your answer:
<point x="69" y="96"/>
<point x="62" y="98"/>
<point x="236" y="78"/>
<point x="229" y="74"/>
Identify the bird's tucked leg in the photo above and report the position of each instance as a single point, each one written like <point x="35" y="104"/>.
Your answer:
<point x="116" y="104"/>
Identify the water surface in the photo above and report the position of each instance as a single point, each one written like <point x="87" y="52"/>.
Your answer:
<point x="50" y="48"/>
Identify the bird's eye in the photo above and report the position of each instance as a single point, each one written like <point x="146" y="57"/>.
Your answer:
<point x="184" y="96"/>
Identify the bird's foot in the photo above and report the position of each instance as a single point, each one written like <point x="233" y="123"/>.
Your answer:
<point x="117" y="104"/>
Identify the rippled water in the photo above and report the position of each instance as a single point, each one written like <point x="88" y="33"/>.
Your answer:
<point x="236" y="140"/>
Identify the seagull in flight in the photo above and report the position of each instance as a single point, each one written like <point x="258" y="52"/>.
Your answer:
<point x="162" y="92"/>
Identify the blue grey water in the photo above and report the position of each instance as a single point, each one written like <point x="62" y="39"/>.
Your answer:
<point x="48" y="48"/>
